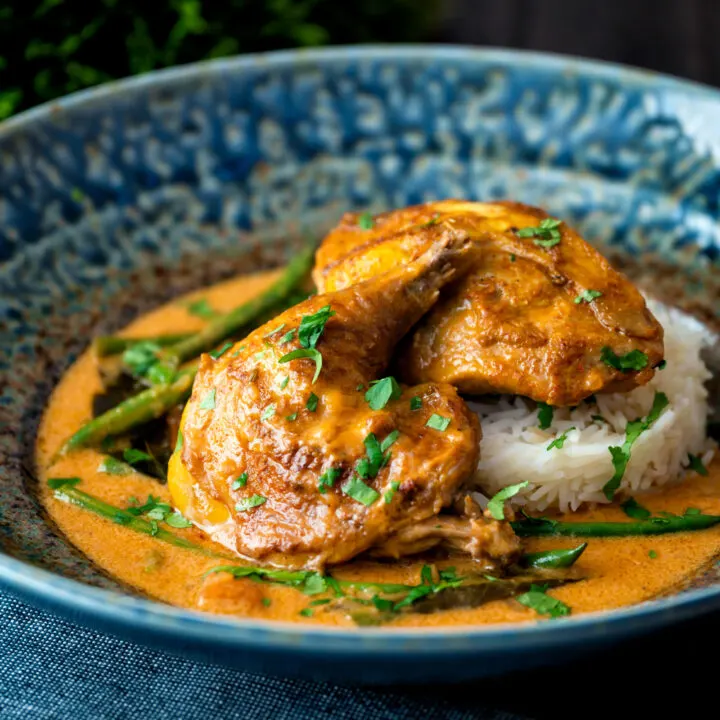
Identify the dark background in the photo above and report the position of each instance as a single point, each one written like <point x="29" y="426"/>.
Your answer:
<point x="49" y="48"/>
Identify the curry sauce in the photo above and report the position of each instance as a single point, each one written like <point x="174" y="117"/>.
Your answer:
<point x="616" y="571"/>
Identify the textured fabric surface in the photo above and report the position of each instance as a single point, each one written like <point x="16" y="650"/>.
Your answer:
<point x="52" y="669"/>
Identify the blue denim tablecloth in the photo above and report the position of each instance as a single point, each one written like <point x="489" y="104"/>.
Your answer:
<point x="52" y="669"/>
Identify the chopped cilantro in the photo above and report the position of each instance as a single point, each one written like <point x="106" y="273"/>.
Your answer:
<point x="133" y="456"/>
<point x="250" y="503"/>
<point x="559" y="441"/>
<point x="201" y="308"/>
<point x="496" y="505"/>
<point x="415" y="403"/>
<point x="328" y="479"/>
<point x="113" y="466"/>
<point x="513" y="257"/>
<point x="538" y="600"/>
<point x="545" y="415"/>
<point x="359" y="491"/>
<point x="276" y="330"/>
<point x="546" y="234"/>
<point x="312" y="402"/>
<point x="208" y="402"/>
<point x="314" y="584"/>
<point x="268" y="412"/>
<point x="176" y="520"/>
<point x="696" y="464"/>
<point x="634" y="360"/>
<point x="652" y="554"/>
<point x="633" y="509"/>
<point x="390" y="494"/>
<point x="292" y="417"/>
<point x="587" y="296"/>
<point x="284" y="382"/>
<point x="382" y="604"/>
<point x="381" y="392"/>
<point x="438" y="422"/>
<point x="312" y="326"/>
<point x="215" y="354"/>
<point x="366" y="221"/>
<point x="389" y="440"/>
<point x="621" y="455"/>
<point x="266" y="601"/>
<point x="241" y="482"/>
<point x="306" y="612"/>
<point x="301" y="353"/>
<point x="287" y="337"/>
<point x="140" y="357"/>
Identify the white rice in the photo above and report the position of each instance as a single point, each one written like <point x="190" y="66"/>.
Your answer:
<point x="514" y="449"/>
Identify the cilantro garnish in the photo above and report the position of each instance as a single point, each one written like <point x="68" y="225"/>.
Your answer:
<point x="381" y="392"/>
<point x="113" y="466"/>
<point x="201" y="308"/>
<point x="390" y="494"/>
<point x="312" y="402"/>
<point x="276" y="330"/>
<point x="140" y="357"/>
<point x="438" y="422"/>
<point x="496" y="505"/>
<point x="634" y="360"/>
<point x="633" y="509"/>
<point x="546" y="234"/>
<point x="538" y="600"/>
<point x="652" y="554"/>
<point x="215" y="354"/>
<point x="415" y="403"/>
<point x="250" y="503"/>
<point x="633" y="430"/>
<point x="559" y="441"/>
<point x="328" y="479"/>
<point x="268" y="412"/>
<point x="208" y="402"/>
<point x="309" y="353"/>
<point x="292" y="417"/>
<point x="366" y="221"/>
<point x="696" y="464"/>
<point x="545" y="415"/>
<point x="312" y="326"/>
<point x="287" y="337"/>
<point x="587" y="296"/>
<point x="390" y="440"/>
<point x="284" y="382"/>
<point x="359" y="491"/>
<point x="176" y="520"/>
<point x="241" y="482"/>
<point x="133" y="456"/>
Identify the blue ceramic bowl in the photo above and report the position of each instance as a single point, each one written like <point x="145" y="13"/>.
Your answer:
<point x="115" y="199"/>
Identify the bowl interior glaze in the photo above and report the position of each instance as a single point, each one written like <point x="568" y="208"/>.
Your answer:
<point x="117" y="199"/>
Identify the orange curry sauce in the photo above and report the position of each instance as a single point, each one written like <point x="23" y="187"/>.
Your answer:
<point x="618" y="571"/>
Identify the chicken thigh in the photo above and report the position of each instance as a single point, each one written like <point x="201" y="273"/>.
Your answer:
<point x="295" y="454"/>
<point x="542" y="314"/>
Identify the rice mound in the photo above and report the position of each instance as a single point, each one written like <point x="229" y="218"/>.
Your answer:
<point x="514" y="449"/>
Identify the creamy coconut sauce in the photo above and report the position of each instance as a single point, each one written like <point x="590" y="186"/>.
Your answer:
<point x="618" y="571"/>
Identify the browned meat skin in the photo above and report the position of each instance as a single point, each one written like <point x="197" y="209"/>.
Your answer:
<point x="512" y="324"/>
<point x="249" y="427"/>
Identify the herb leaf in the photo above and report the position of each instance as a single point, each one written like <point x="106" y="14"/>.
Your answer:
<point x="301" y="353"/>
<point x="390" y="494"/>
<point x="538" y="600"/>
<point x="312" y="402"/>
<point x="635" y="428"/>
<point x="696" y="464"/>
<point x="415" y="403"/>
<point x="381" y="392"/>
<point x="241" y="482"/>
<point x="208" y="402"/>
<point x="249" y="503"/>
<point x="390" y="440"/>
<point x="113" y="466"/>
<point x="201" y="308"/>
<point x="496" y="505"/>
<point x="140" y="357"/>
<point x="328" y="479"/>
<point x="176" y="520"/>
<point x="546" y="233"/>
<point x="268" y="412"/>
<point x="133" y="456"/>
<point x="634" y="360"/>
<point x="633" y="509"/>
<point x="559" y="441"/>
<point x="545" y="415"/>
<point x="359" y="491"/>
<point x="438" y="422"/>
<point x="366" y="221"/>
<point x="587" y="296"/>
<point x="312" y="326"/>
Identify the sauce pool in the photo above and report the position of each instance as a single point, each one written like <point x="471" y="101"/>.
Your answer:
<point x="618" y="571"/>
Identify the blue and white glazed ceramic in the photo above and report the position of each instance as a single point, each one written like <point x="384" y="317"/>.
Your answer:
<point x="115" y="199"/>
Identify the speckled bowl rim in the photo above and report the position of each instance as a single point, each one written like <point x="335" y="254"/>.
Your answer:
<point x="115" y="610"/>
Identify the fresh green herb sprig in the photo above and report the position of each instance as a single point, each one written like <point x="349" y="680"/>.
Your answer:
<point x="496" y="505"/>
<point x="538" y="600"/>
<point x="545" y="235"/>
<point x="381" y="392"/>
<point x="631" y="361"/>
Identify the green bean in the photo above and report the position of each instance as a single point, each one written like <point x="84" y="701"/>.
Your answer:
<point x="653" y="526"/>
<point x="553" y="559"/>
<point x="223" y="327"/>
